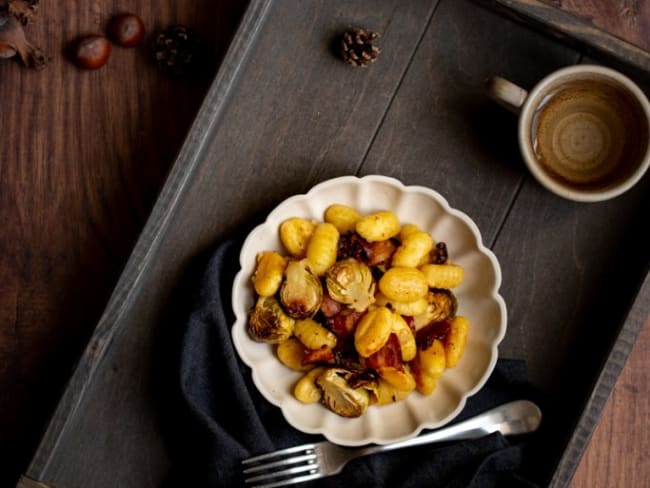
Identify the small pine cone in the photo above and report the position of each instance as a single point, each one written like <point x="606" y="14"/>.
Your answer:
<point x="357" y="48"/>
<point x="178" y="50"/>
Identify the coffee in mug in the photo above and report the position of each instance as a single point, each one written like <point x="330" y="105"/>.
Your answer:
<point x="584" y="131"/>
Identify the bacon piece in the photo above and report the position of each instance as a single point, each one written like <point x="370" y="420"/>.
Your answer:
<point x="329" y="306"/>
<point x="380" y="252"/>
<point x="344" y="323"/>
<point x="322" y="355"/>
<point x="436" y="330"/>
<point x="372" y="253"/>
<point x="389" y="355"/>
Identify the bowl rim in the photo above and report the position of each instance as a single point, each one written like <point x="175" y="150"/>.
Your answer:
<point x="240" y="319"/>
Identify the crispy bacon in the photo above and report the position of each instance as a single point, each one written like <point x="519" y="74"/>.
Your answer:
<point x="436" y="330"/>
<point x="352" y="245"/>
<point x="329" y="306"/>
<point x="389" y="355"/>
<point x="322" y="355"/>
<point x="380" y="252"/>
<point x="344" y="323"/>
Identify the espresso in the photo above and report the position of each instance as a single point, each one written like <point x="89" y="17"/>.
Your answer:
<point x="589" y="134"/>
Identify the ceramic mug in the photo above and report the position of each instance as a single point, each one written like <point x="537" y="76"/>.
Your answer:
<point x="584" y="131"/>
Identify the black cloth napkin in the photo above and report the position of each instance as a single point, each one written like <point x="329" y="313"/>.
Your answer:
<point x="226" y="420"/>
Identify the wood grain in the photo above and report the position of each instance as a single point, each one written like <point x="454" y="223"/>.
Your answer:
<point x="617" y="454"/>
<point x="82" y="160"/>
<point x="295" y="116"/>
<point x="86" y="153"/>
<point x="627" y="19"/>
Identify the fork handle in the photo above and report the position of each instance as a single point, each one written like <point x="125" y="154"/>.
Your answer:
<point x="515" y="417"/>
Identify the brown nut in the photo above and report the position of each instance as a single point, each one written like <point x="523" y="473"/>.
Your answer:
<point x="6" y="50"/>
<point x="91" y="52"/>
<point x="126" y="30"/>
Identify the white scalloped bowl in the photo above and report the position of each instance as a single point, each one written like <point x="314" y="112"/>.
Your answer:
<point x="478" y="299"/>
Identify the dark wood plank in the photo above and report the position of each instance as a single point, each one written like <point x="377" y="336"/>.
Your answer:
<point x="83" y="157"/>
<point x="465" y="137"/>
<point x="296" y="116"/>
<point x="625" y="405"/>
<point x="564" y="314"/>
<point x="444" y="132"/>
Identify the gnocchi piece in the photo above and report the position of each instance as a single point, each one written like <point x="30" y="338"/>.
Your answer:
<point x="378" y="226"/>
<point x="426" y="384"/>
<point x="322" y="248"/>
<point x="268" y="273"/>
<point x="385" y="393"/>
<point x="399" y="378"/>
<point x="306" y="390"/>
<point x="405" y="337"/>
<point x="313" y="335"/>
<point x="403" y="284"/>
<point x="373" y="331"/>
<point x="429" y="366"/>
<point x="291" y="353"/>
<point x="344" y="218"/>
<point x="456" y="340"/>
<point x="410" y="309"/>
<point x="414" y="249"/>
<point x="407" y="230"/>
<point x="443" y="275"/>
<point x="295" y="234"/>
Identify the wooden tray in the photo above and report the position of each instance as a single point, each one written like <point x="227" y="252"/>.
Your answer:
<point x="283" y="114"/>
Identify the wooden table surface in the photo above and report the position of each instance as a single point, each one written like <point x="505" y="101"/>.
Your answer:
<point x="81" y="161"/>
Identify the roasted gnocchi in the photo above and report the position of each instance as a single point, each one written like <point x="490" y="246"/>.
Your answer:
<point x="362" y="306"/>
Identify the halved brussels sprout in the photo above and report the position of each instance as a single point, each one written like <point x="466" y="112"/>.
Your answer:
<point x="339" y="396"/>
<point x="442" y="305"/>
<point x="350" y="282"/>
<point x="269" y="323"/>
<point x="301" y="292"/>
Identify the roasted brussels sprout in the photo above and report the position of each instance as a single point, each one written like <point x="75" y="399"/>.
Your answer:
<point x="350" y="282"/>
<point x="442" y="305"/>
<point x="269" y="323"/>
<point x="301" y="292"/>
<point x="339" y="396"/>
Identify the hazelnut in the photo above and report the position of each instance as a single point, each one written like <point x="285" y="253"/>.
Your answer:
<point x="126" y="30"/>
<point x="6" y="50"/>
<point x="92" y="52"/>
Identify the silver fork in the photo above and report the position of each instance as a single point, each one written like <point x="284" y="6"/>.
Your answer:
<point x="319" y="460"/>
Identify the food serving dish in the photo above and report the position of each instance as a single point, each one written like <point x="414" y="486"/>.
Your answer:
<point x="478" y="299"/>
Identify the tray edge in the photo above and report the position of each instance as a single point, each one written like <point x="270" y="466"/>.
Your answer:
<point x="578" y="33"/>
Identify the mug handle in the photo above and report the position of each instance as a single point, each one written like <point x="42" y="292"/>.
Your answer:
<point x="506" y="93"/>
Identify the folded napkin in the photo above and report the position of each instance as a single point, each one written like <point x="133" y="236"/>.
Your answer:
<point x="224" y="419"/>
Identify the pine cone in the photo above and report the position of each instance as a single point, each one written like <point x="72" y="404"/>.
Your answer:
<point x="357" y="48"/>
<point x="178" y="50"/>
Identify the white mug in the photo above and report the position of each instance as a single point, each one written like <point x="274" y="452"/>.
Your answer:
<point x="584" y="131"/>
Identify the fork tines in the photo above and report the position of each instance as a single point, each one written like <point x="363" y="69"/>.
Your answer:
<point x="279" y="468"/>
